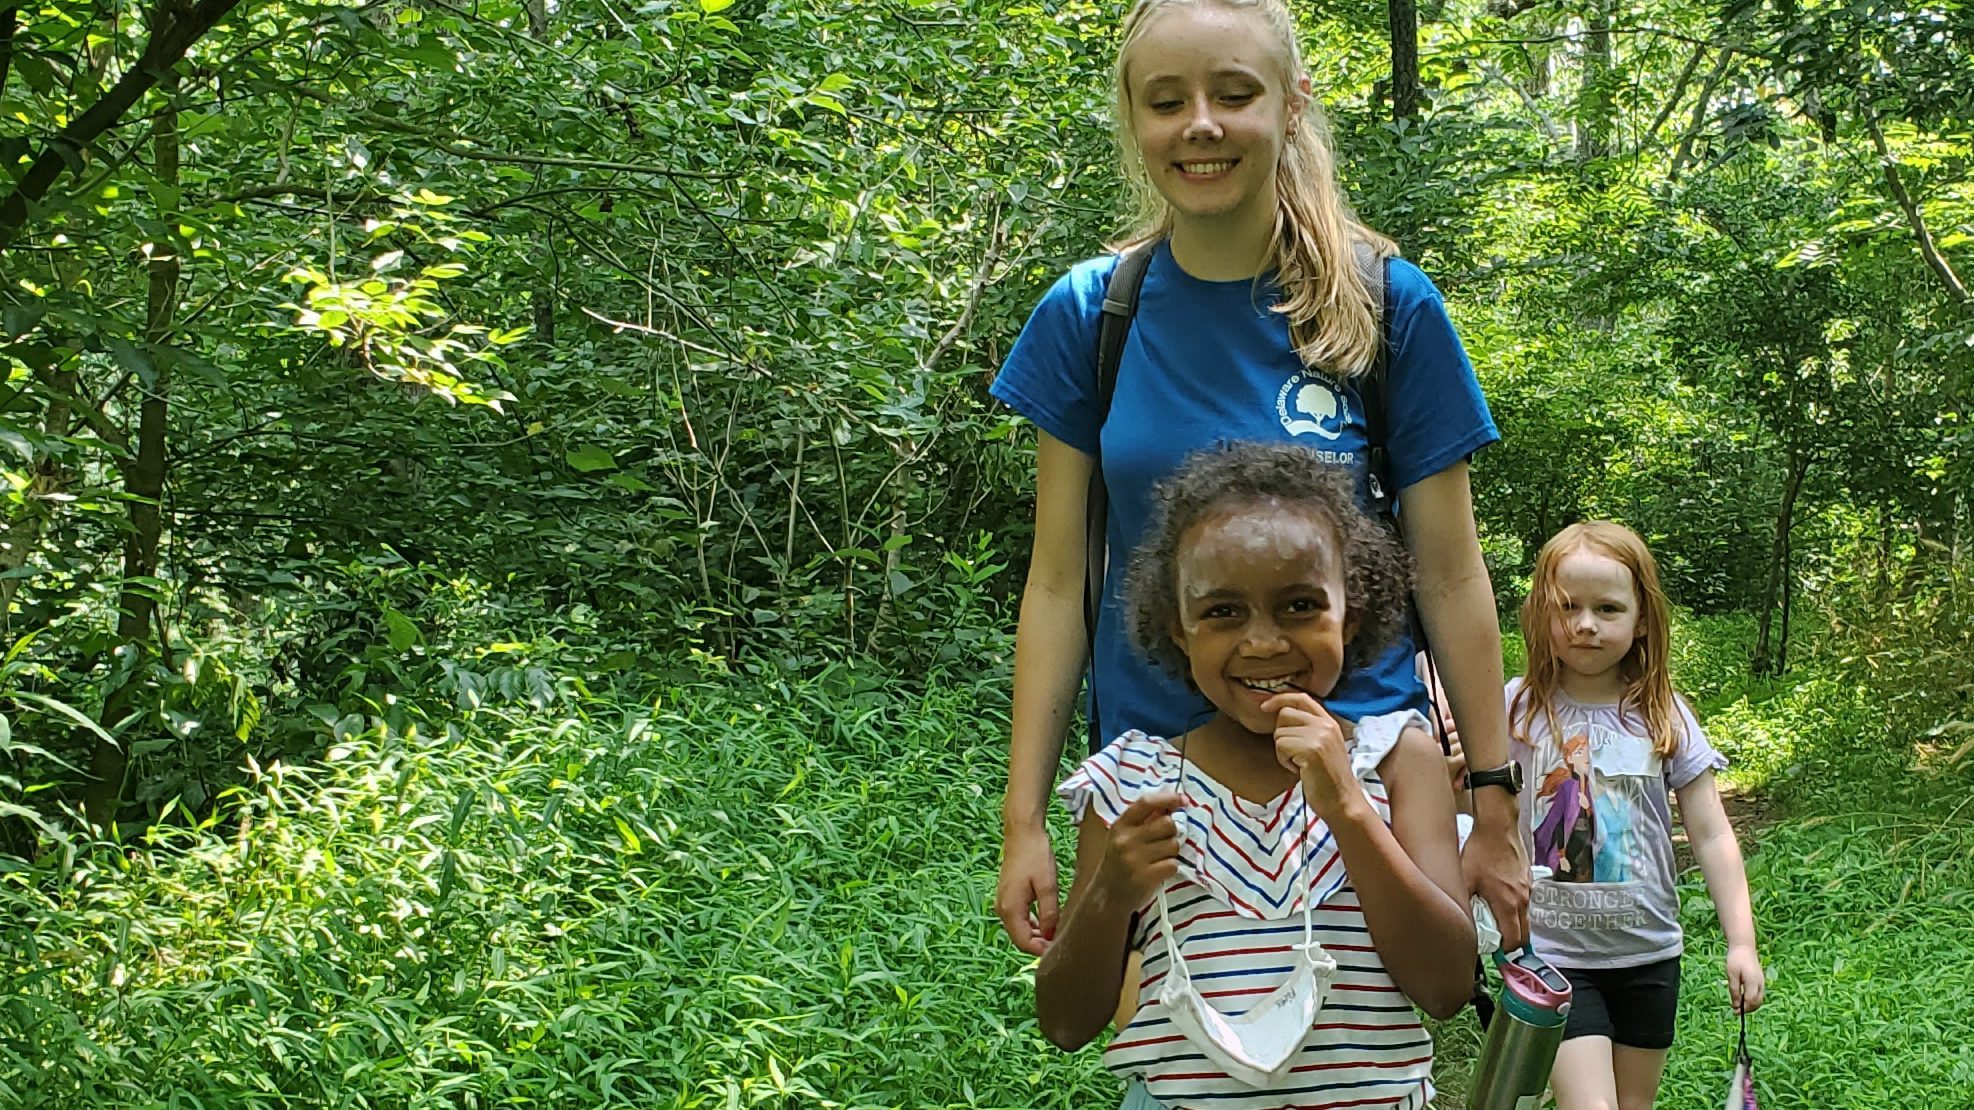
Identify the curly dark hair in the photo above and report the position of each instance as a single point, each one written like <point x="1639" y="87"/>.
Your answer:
<point x="1376" y="569"/>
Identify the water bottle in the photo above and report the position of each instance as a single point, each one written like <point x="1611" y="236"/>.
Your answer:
<point x="1521" y="1043"/>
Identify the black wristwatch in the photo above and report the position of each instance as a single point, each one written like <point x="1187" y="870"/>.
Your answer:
<point x="1508" y="777"/>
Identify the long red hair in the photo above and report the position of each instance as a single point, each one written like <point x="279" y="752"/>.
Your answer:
<point x="1646" y="670"/>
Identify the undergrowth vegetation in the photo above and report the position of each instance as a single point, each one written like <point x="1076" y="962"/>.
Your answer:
<point x="735" y="890"/>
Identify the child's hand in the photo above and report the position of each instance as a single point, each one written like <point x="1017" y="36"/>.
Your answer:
<point x="1745" y="982"/>
<point x="1309" y="742"/>
<point x="1143" y="851"/>
<point x="1456" y="763"/>
<point x="1448" y="727"/>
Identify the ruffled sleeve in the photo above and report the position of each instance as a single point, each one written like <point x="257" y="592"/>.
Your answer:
<point x="1376" y="737"/>
<point x="1112" y="779"/>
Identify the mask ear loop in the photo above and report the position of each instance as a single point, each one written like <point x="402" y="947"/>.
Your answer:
<point x="1173" y="956"/>
<point x="1309" y="948"/>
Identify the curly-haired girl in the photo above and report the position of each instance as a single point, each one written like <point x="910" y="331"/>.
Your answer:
<point x="1203" y="859"/>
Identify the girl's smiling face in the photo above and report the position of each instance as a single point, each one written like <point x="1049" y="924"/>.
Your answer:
<point x="1261" y="608"/>
<point x="1209" y="109"/>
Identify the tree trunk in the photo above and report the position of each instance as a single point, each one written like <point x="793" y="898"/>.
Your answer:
<point x="547" y="265"/>
<point x="1596" y="107"/>
<point x="1881" y="582"/>
<point x="1404" y="16"/>
<point x="1957" y="529"/>
<point x="1788" y="598"/>
<point x="9" y="19"/>
<point x="1767" y="659"/>
<point x="144" y="479"/>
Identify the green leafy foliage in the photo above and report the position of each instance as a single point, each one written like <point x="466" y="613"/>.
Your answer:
<point x="545" y="744"/>
<point x="756" y="891"/>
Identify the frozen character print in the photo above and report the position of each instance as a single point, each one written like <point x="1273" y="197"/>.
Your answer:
<point x="1615" y="842"/>
<point x="1566" y="837"/>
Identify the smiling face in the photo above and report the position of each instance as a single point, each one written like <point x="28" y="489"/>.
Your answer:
<point x="1595" y="623"/>
<point x="1261" y="608"/>
<point x="1210" y="107"/>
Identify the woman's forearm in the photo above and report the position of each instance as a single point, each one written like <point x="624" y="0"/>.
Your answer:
<point x="1049" y="651"/>
<point x="1456" y="606"/>
<point x="1049" y="642"/>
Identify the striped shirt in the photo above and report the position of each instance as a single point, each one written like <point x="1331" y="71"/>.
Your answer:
<point x="1245" y="869"/>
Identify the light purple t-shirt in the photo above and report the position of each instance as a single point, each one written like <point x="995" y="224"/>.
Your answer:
<point x="1596" y="812"/>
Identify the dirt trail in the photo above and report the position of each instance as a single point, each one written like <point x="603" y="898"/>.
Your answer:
<point x="1748" y="811"/>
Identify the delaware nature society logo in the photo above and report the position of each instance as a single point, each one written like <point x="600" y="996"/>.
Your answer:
<point x="1312" y="406"/>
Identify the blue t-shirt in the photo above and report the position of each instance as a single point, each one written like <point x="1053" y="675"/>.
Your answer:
<point x="1206" y="363"/>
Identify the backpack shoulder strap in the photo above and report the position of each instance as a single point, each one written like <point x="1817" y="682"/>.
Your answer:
<point x="1120" y="306"/>
<point x="1376" y="273"/>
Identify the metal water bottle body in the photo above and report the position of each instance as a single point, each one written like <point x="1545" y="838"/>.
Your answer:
<point x="1520" y="1049"/>
<point x="1514" y="1064"/>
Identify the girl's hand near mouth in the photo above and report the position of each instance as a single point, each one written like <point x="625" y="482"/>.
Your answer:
<point x="1311" y="743"/>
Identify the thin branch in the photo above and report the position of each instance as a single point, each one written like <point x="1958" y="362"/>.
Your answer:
<point x="996" y="242"/>
<point x="656" y="333"/>
<point x="1656" y="32"/>
<point x="1673" y="98"/>
<point x="1509" y="9"/>
<point x="187" y="458"/>
<point x="1915" y="219"/>
<point x="454" y="146"/>
<point x="98" y="421"/>
<point x="1550" y="129"/>
<point x="284" y="189"/>
<point x="1685" y="150"/>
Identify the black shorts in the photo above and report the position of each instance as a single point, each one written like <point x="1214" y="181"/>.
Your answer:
<point x="1634" y="1006"/>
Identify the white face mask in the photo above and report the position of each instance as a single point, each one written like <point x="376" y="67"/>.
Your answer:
<point x="1258" y="1046"/>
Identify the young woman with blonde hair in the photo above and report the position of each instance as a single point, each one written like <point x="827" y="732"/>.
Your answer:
<point x="1255" y="322"/>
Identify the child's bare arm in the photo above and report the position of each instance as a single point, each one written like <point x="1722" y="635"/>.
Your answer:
<point x="1719" y="852"/>
<point x="1118" y="869"/>
<point x="1408" y="878"/>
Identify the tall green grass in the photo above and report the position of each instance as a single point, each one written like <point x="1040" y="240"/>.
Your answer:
<point x="739" y="891"/>
<point x="735" y="894"/>
<point x="1861" y="866"/>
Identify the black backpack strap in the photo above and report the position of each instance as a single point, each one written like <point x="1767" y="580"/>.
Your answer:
<point x="1120" y="305"/>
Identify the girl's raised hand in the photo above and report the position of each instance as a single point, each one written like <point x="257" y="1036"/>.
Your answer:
<point x="1142" y="853"/>
<point x="1309" y="742"/>
<point x="1746" y="984"/>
